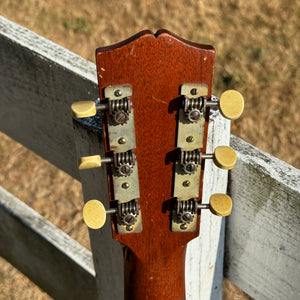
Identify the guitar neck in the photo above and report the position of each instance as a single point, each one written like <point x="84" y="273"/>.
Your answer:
<point x="159" y="275"/>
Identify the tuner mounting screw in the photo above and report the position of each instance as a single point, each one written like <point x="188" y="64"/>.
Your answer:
<point x="122" y="141"/>
<point x="129" y="228"/>
<point x="190" y="139"/>
<point x="186" y="183"/>
<point x="194" y="91"/>
<point x="183" y="226"/>
<point x="125" y="185"/>
<point x="118" y="93"/>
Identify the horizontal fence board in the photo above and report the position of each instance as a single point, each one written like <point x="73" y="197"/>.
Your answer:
<point x="262" y="236"/>
<point x="39" y="80"/>
<point x="45" y="254"/>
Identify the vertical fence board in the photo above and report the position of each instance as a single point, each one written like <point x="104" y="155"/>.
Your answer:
<point x="107" y="253"/>
<point x="204" y="260"/>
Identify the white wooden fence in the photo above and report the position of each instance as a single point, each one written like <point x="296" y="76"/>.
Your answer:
<point x="38" y="82"/>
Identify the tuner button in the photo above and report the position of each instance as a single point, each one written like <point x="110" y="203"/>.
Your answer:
<point x="225" y="157"/>
<point x="94" y="214"/>
<point x="88" y="162"/>
<point x="231" y="104"/>
<point x="83" y="109"/>
<point x="220" y="205"/>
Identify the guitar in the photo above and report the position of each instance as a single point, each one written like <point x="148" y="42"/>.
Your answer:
<point x="155" y="95"/>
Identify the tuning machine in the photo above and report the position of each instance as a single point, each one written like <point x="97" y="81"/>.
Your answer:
<point x="123" y="162"/>
<point x="127" y="215"/>
<point x="193" y="112"/>
<point x="186" y="211"/>
<point x="231" y="102"/>
<point x="231" y="105"/>
<point x="118" y="105"/>
<point x="224" y="157"/>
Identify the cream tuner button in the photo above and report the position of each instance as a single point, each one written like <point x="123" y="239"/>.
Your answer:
<point x="225" y="157"/>
<point x="94" y="161"/>
<point x="83" y="109"/>
<point x="220" y="205"/>
<point x="231" y="104"/>
<point x="94" y="214"/>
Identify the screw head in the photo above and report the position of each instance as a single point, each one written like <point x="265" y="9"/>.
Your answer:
<point x="183" y="226"/>
<point x="129" y="228"/>
<point x="129" y="219"/>
<point x="190" y="139"/>
<point x="122" y="141"/>
<point x="120" y="117"/>
<point x="125" y="185"/>
<point x="125" y="170"/>
<point x="190" y="167"/>
<point x="118" y="93"/>
<point x="187" y="217"/>
<point x="194" y="115"/>
<point x="186" y="183"/>
<point x="194" y="91"/>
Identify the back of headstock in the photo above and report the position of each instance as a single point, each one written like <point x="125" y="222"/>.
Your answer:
<point x="155" y="95"/>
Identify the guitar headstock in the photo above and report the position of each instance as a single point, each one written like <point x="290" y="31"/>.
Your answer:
<point x="155" y="94"/>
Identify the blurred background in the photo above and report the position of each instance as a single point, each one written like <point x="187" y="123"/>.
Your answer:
<point x="257" y="53"/>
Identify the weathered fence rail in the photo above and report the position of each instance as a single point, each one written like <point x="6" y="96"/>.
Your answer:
<point x="48" y="256"/>
<point x="38" y="82"/>
<point x="263" y="232"/>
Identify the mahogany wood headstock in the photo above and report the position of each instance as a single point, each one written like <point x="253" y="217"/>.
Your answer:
<point x="155" y="94"/>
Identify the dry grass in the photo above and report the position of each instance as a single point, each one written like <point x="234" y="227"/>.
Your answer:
<point x="257" y="44"/>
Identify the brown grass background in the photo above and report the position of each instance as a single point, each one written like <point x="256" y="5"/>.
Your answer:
<point x="258" y="49"/>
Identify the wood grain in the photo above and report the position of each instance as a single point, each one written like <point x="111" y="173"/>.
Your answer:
<point x="155" y="66"/>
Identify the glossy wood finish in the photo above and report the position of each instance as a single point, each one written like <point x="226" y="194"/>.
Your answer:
<point x="155" y="66"/>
